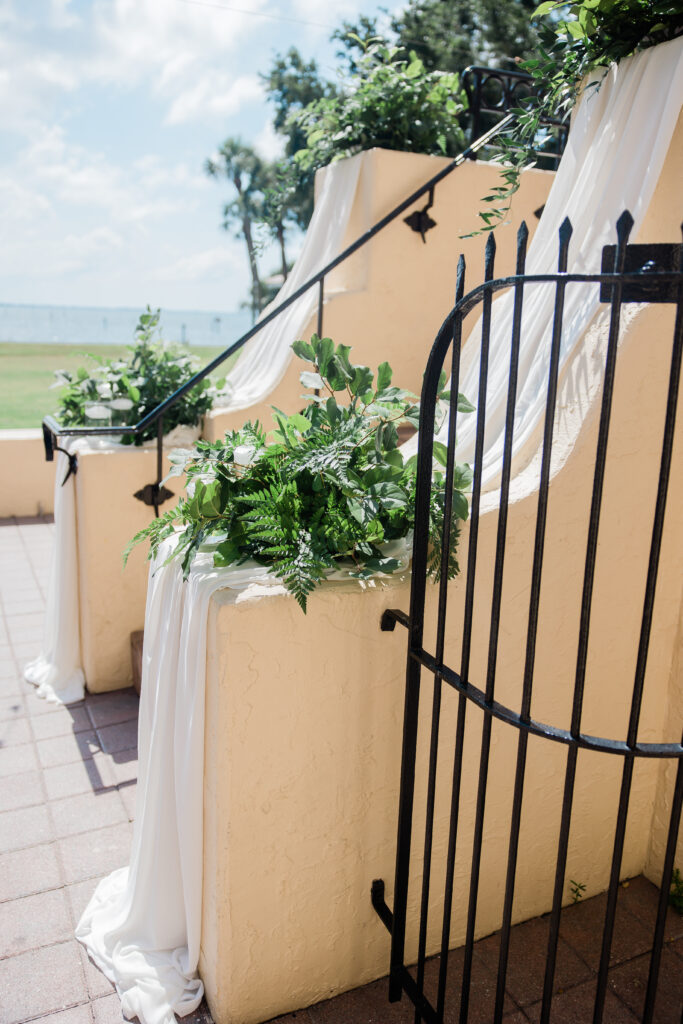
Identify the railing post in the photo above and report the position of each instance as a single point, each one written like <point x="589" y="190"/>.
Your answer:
<point x="160" y="463"/>
<point x="321" y="299"/>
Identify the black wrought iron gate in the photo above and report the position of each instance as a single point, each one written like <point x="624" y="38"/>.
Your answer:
<point x="629" y="273"/>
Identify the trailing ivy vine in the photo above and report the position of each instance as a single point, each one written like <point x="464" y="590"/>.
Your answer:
<point x="328" y="489"/>
<point x="576" y="39"/>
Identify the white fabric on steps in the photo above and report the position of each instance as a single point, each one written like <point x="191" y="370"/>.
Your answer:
<point x="265" y="358"/>
<point x="142" y="926"/>
<point x="57" y="671"/>
<point x="615" y="153"/>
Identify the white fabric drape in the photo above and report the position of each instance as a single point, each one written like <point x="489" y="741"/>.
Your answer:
<point x="56" y="672"/>
<point x="142" y="926"/>
<point x="265" y="358"/>
<point x="616" y="149"/>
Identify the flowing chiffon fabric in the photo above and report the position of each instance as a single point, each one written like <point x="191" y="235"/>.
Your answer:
<point x="142" y="926"/>
<point x="614" y="157"/>
<point x="56" y="672"/>
<point x="265" y="358"/>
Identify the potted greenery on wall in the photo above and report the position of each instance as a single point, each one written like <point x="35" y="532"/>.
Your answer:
<point x="122" y="391"/>
<point x="328" y="491"/>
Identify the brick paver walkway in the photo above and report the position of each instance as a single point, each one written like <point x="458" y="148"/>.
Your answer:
<point x="67" y="796"/>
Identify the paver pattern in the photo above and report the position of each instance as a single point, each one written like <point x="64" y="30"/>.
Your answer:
<point x="67" y="801"/>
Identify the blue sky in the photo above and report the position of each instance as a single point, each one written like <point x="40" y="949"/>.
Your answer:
<point x="108" y="111"/>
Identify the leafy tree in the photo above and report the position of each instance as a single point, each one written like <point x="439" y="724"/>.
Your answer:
<point x="243" y="168"/>
<point x="292" y="84"/>
<point x="450" y="34"/>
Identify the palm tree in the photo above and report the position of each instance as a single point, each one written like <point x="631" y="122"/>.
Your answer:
<point x="244" y="169"/>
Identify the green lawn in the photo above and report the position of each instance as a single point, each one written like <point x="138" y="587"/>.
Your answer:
<point x="26" y="373"/>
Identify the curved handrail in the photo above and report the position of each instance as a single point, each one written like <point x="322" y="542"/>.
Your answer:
<point x="53" y="429"/>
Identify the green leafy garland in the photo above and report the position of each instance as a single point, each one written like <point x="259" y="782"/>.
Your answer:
<point x="152" y="372"/>
<point x="328" y="491"/>
<point x="392" y="101"/>
<point x="577" y="39"/>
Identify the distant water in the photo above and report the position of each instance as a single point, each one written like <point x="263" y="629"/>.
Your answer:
<point x="82" y="325"/>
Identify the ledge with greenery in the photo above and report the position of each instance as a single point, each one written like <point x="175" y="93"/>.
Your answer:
<point x="576" y="40"/>
<point x="328" y="490"/>
<point x="125" y="390"/>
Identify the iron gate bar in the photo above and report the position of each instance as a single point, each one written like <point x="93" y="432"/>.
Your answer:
<point x="624" y="225"/>
<point x="639" y="681"/>
<point x="598" y="744"/>
<point x="619" y="286"/>
<point x="469" y="591"/>
<point x="321" y="300"/>
<point x="441" y="632"/>
<point x="565" y="234"/>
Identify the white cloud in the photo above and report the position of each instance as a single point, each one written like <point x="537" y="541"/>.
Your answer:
<point x="208" y="265"/>
<point x="268" y="143"/>
<point x="215" y="95"/>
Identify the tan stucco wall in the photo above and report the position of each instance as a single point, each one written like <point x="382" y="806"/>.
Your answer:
<point x="28" y="487"/>
<point x="393" y="315"/>
<point x="112" y="599"/>
<point x="303" y="733"/>
<point x="389" y="299"/>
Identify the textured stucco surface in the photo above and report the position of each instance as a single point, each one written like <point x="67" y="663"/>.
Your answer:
<point x="112" y="599"/>
<point x="389" y="299"/>
<point x="28" y="488"/>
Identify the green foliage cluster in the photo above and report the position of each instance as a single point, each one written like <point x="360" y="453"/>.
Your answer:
<point x="392" y="101"/>
<point x="576" y="39"/>
<point x="375" y="98"/>
<point x="329" y="490"/>
<point x="153" y="371"/>
<point x="676" y="891"/>
<point x="449" y="35"/>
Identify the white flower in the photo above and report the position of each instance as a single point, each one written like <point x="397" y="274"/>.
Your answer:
<point x="104" y="389"/>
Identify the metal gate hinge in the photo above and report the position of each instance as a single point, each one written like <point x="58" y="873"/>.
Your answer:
<point x="647" y="260"/>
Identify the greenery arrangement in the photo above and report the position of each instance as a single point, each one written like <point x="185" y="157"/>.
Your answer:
<point x="329" y="490"/>
<point x="154" y="370"/>
<point x="391" y="101"/>
<point x="676" y="891"/>
<point x="373" y="103"/>
<point x="575" y="39"/>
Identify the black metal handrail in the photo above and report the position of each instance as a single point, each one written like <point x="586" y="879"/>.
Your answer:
<point x="57" y="430"/>
<point x="52" y="429"/>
